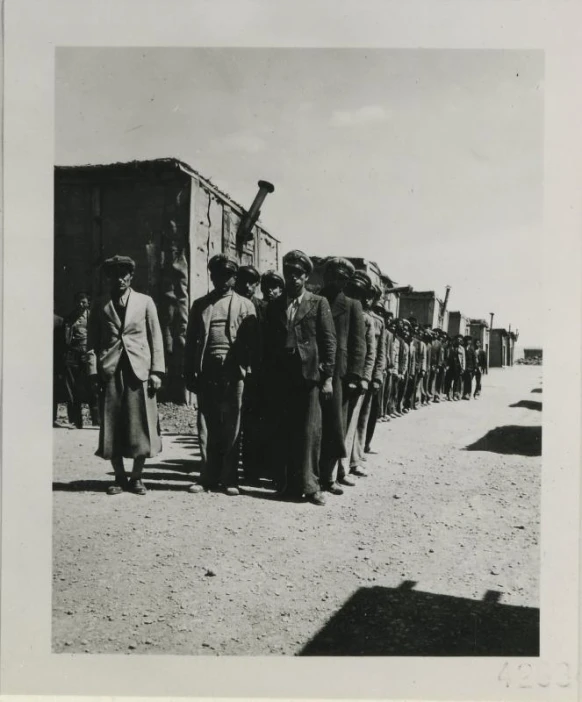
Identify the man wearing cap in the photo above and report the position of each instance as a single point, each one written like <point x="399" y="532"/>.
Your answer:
<point x="480" y="366"/>
<point x="221" y="348"/>
<point x="299" y="358"/>
<point x="436" y="360"/>
<point x="393" y="369"/>
<point x="348" y="318"/>
<point x="125" y="357"/>
<point x="247" y="282"/>
<point x="389" y="370"/>
<point x="403" y="331"/>
<point x="470" y="364"/>
<point x="357" y="457"/>
<point x="455" y="369"/>
<point x="377" y="312"/>
<point x="358" y="288"/>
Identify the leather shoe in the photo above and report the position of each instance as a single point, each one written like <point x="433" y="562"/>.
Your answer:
<point x="137" y="487"/>
<point x="359" y="472"/>
<point x="335" y="489"/>
<point x="317" y="498"/>
<point x="115" y="489"/>
<point x="346" y="481"/>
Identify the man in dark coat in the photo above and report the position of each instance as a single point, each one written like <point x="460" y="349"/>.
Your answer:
<point x="480" y="366"/>
<point x="221" y="349"/>
<point x="125" y="357"/>
<point x="247" y="282"/>
<point x="299" y="358"/>
<point x="377" y="311"/>
<point x="358" y="288"/>
<point x="470" y="364"/>
<point x="348" y="318"/>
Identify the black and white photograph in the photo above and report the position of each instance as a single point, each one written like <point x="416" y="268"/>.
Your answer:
<point x="307" y="422"/>
<point x="317" y="432"/>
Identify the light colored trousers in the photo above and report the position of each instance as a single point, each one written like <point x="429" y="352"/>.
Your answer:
<point x="354" y="412"/>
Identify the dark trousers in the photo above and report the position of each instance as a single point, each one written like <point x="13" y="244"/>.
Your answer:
<point x="478" y="374"/>
<point x="467" y="383"/>
<point x="373" y="418"/>
<point x="219" y="406"/>
<point x="251" y="424"/>
<point x="295" y="413"/>
<point x="439" y="381"/>
<point x="386" y="397"/>
<point x="453" y="381"/>
<point x="402" y="390"/>
<point x="77" y="389"/>
<point x="412" y="390"/>
<point x="334" y="423"/>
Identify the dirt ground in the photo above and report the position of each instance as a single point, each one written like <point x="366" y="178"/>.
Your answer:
<point x="436" y="552"/>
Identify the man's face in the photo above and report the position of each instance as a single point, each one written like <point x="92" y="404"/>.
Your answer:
<point x="120" y="280"/>
<point x="295" y="279"/>
<point x="83" y="302"/>
<point x="336" y="279"/>
<point x="246" y="286"/>
<point x="477" y="345"/>
<point x="272" y="292"/>
<point x="223" y="280"/>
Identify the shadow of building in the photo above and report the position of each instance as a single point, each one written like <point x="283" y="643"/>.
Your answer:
<point x="529" y="404"/>
<point x="380" y="621"/>
<point x="511" y="439"/>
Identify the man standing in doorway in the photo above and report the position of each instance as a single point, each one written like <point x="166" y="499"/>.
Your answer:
<point x="125" y="357"/>
<point x="299" y="358"/>
<point x="221" y="349"/>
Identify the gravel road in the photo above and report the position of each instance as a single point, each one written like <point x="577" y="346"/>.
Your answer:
<point x="436" y="552"/>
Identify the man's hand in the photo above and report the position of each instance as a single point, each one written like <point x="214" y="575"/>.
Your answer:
<point x="155" y="383"/>
<point x="353" y="387"/>
<point x="364" y="385"/>
<point x="191" y="385"/>
<point x="327" y="389"/>
<point x="95" y="383"/>
<point x="376" y="385"/>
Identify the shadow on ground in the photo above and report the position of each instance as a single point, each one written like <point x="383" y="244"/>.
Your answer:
<point x="380" y="621"/>
<point x="537" y="390"/>
<point x="528" y="404"/>
<point x="511" y="439"/>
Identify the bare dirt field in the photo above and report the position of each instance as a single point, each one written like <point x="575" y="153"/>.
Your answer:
<point x="435" y="553"/>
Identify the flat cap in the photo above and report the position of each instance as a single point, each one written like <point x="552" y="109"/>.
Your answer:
<point x="222" y="262"/>
<point x="272" y="277"/>
<point x="339" y="265"/>
<point x="249" y="272"/>
<point x="298" y="258"/>
<point x="361" y="280"/>
<point x="120" y="262"/>
<point x="379" y="307"/>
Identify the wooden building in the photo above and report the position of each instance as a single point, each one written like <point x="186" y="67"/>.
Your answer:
<point x="390" y="293"/>
<point x="458" y="324"/>
<point x="168" y="218"/>
<point x="502" y="348"/>
<point x="426" y="307"/>
<point x="479" y="331"/>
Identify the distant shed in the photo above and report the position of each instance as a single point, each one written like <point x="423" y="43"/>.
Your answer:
<point x="167" y="217"/>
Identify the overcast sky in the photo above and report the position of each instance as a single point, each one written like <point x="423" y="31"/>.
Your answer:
<point x="428" y="162"/>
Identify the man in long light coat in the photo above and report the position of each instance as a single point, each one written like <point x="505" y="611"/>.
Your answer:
<point x="125" y="358"/>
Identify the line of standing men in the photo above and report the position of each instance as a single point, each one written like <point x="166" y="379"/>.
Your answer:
<point x="300" y="378"/>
